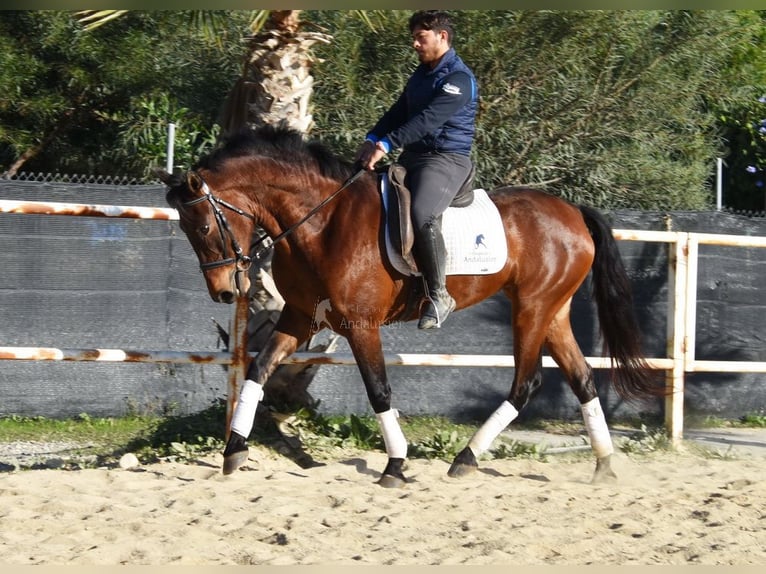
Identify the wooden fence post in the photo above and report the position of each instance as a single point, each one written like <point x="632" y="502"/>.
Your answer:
<point x="239" y="357"/>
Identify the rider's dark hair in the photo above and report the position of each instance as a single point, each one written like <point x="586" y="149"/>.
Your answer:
<point x="436" y="20"/>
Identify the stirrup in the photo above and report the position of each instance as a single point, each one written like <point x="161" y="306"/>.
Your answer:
<point x="431" y="317"/>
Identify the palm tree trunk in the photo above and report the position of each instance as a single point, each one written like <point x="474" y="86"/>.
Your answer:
<point x="276" y="86"/>
<point x="276" y="82"/>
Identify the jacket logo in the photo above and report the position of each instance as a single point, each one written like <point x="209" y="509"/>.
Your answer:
<point x="451" y="89"/>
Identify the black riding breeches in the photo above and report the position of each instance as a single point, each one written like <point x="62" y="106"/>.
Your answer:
<point x="433" y="180"/>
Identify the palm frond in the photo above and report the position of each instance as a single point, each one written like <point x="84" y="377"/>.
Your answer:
<point x="260" y="17"/>
<point x="95" y="18"/>
<point x="210" y="23"/>
<point x="369" y="17"/>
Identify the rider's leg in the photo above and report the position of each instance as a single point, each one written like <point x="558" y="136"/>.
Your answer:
<point x="431" y="255"/>
<point x="433" y="180"/>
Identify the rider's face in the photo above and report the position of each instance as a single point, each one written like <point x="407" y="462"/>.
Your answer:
<point x="430" y="45"/>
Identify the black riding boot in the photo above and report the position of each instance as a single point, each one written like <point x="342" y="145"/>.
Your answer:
<point x="432" y="258"/>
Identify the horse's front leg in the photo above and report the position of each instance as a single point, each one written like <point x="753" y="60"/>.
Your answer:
<point x="368" y="352"/>
<point x="291" y="330"/>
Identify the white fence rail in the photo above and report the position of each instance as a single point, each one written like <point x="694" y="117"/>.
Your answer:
<point x="681" y="325"/>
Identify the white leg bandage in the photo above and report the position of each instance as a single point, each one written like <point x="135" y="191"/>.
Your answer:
<point x="595" y="424"/>
<point x="396" y="444"/>
<point x="244" y="414"/>
<point x="494" y="425"/>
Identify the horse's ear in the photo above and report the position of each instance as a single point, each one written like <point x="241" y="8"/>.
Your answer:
<point x="162" y="175"/>
<point x="194" y="181"/>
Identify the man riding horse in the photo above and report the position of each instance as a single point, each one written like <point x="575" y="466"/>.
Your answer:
<point x="433" y="121"/>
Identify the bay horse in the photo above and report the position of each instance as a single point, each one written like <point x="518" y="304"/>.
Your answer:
<point x="273" y="177"/>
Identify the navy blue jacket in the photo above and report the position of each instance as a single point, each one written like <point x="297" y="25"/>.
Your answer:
<point x="435" y="112"/>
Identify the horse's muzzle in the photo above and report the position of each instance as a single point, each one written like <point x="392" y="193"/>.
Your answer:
<point x="227" y="297"/>
<point x="225" y="288"/>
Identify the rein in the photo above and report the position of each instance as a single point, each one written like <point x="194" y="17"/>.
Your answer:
<point x="242" y="261"/>
<point x="303" y="220"/>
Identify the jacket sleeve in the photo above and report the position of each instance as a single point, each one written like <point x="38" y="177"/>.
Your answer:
<point x="454" y="91"/>
<point x="394" y="117"/>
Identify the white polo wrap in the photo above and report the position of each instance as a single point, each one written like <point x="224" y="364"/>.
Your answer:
<point x="595" y="424"/>
<point x="244" y="414"/>
<point x="396" y="444"/>
<point x="494" y="425"/>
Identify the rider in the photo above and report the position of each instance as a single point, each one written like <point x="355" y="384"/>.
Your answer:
<point x="433" y="121"/>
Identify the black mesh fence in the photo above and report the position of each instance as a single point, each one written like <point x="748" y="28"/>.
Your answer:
<point x="96" y="282"/>
<point x="89" y="282"/>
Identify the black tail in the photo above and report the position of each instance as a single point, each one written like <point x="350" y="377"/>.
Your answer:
<point x="631" y="375"/>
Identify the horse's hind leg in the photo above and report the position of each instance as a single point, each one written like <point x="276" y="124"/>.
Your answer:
<point x="368" y="352"/>
<point x="567" y="354"/>
<point x="524" y="387"/>
<point x="291" y="330"/>
<point x="527" y="379"/>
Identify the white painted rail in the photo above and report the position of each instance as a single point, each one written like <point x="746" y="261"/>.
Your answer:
<point x="84" y="209"/>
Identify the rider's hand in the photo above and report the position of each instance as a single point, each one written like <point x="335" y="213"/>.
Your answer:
<point x="369" y="154"/>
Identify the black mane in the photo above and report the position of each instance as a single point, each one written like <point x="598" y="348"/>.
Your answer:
<point x="281" y="144"/>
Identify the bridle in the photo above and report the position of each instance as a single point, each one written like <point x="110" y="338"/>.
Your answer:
<point x="238" y="258"/>
<point x="241" y="261"/>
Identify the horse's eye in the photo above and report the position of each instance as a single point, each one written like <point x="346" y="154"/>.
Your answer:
<point x="204" y="230"/>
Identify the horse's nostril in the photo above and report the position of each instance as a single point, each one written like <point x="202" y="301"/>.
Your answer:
<point x="226" y="297"/>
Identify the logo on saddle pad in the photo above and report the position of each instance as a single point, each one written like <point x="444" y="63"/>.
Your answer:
<point x="473" y="235"/>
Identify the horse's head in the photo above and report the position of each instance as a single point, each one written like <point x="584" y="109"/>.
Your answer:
<point x="216" y="239"/>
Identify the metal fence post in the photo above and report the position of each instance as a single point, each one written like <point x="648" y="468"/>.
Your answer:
<point x="171" y="147"/>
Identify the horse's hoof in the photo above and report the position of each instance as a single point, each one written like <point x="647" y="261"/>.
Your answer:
<point x="233" y="461"/>
<point x="390" y="481"/>
<point x="464" y="464"/>
<point x="393" y="475"/>
<point x="600" y="477"/>
<point x="461" y="470"/>
<point x="604" y="472"/>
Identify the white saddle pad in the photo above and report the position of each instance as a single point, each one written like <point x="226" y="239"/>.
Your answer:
<point x="474" y="237"/>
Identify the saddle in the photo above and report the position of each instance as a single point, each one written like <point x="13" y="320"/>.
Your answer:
<point x="399" y="219"/>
